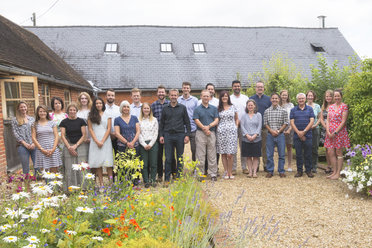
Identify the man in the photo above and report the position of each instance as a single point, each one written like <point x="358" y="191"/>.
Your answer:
<point x="263" y="102"/>
<point x="275" y="121"/>
<point x="239" y="101"/>
<point x="213" y="100"/>
<point x="174" y="119"/>
<point x="206" y="118"/>
<point x="113" y="111"/>
<point x="190" y="103"/>
<point x="157" y="108"/>
<point x="135" y="107"/>
<point x="302" y="119"/>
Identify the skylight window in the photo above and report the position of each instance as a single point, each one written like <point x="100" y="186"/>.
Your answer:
<point x="317" y="47"/>
<point x="199" y="47"/>
<point x="166" y="47"/>
<point x="111" y="47"/>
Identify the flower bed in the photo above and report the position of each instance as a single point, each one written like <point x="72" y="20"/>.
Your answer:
<point x="115" y="216"/>
<point x="358" y="173"/>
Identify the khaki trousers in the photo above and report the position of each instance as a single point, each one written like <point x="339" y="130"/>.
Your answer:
<point x="206" y="145"/>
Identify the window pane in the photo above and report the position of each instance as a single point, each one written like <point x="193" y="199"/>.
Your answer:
<point x="114" y="47"/>
<point x="11" y="90"/>
<point x="11" y="108"/>
<point x="27" y="90"/>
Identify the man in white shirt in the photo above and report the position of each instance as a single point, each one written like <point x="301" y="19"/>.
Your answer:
<point x="135" y="107"/>
<point x="113" y="111"/>
<point x="239" y="101"/>
<point x="213" y="100"/>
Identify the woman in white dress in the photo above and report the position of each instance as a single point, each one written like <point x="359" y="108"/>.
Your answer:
<point x="100" y="149"/>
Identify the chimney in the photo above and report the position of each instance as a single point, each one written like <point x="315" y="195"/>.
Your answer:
<point x="322" y="21"/>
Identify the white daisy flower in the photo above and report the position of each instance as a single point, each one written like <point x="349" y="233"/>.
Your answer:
<point x="62" y="197"/>
<point x="25" y="216"/>
<point x="33" y="240"/>
<point x="97" y="238"/>
<point x="4" y="227"/>
<point x="48" y="175"/>
<point x="83" y="196"/>
<point x="20" y="195"/>
<point x="84" y="165"/>
<point x="13" y="213"/>
<point x="58" y="175"/>
<point x="84" y="210"/>
<point x="29" y="246"/>
<point x="44" y="230"/>
<point x="55" y="183"/>
<point x="33" y="185"/>
<point x="34" y="215"/>
<point x="10" y="239"/>
<point x="42" y="190"/>
<point x="76" y="167"/>
<point x="89" y="176"/>
<point x="73" y="187"/>
<point x="71" y="232"/>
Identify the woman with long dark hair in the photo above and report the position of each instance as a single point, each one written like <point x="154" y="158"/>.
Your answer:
<point x="227" y="132"/>
<point x="57" y="115"/>
<point x="21" y="126"/>
<point x="45" y="138"/>
<point x="100" y="148"/>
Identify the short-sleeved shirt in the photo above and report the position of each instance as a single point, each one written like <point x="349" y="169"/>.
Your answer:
<point x="190" y="103"/>
<point x="73" y="129"/>
<point x="112" y="111"/>
<point x="127" y="130"/>
<point x="276" y="117"/>
<point x="239" y="103"/>
<point x="302" y="119"/>
<point x="316" y="110"/>
<point x="206" y="115"/>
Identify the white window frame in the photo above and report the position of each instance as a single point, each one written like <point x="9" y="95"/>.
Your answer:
<point x="111" y="47"/>
<point x="199" y="47"/>
<point x="166" y="47"/>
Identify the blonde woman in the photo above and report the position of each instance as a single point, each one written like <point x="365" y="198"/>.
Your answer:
<point x="285" y="102"/>
<point x="327" y="101"/>
<point x="84" y="105"/>
<point x="148" y="144"/>
<point x="21" y="126"/>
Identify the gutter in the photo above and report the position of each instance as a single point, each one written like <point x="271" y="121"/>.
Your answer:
<point x="15" y="70"/>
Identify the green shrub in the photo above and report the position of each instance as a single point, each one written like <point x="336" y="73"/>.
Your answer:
<point x="358" y="96"/>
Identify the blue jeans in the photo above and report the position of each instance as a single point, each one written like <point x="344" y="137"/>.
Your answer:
<point x="171" y="142"/>
<point x="303" y="151"/>
<point x="24" y="155"/>
<point x="279" y="141"/>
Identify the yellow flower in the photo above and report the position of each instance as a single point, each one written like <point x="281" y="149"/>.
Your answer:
<point x="164" y="226"/>
<point x="151" y="219"/>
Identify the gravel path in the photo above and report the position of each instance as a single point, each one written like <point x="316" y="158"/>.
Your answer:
<point x="290" y="212"/>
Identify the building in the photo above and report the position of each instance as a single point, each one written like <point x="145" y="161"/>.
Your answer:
<point x="32" y="72"/>
<point x="123" y="57"/>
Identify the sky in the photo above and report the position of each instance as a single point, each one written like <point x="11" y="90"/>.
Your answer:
<point x="352" y="17"/>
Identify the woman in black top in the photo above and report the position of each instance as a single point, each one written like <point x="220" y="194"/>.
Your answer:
<point x="75" y="151"/>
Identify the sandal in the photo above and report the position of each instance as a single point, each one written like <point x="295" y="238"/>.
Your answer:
<point x="328" y="170"/>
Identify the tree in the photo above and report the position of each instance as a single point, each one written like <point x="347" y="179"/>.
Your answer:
<point x="358" y="96"/>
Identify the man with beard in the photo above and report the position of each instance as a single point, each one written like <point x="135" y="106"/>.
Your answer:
<point x="239" y="101"/>
<point x="157" y="108"/>
<point x="113" y="111"/>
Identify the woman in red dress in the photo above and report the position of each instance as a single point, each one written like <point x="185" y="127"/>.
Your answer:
<point x="336" y="134"/>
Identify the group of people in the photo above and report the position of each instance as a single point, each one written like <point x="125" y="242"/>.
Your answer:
<point x="93" y="131"/>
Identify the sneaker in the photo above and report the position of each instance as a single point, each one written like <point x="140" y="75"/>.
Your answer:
<point x="298" y="174"/>
<point x="245" y="171"/>
<point x="289" y="170"/>
<point x="232" y="177"/>
<point x="214" y="179"/>
<point x="233" y="172"/>
<point x="226" y="177"/>
<point x="269" y="175"/>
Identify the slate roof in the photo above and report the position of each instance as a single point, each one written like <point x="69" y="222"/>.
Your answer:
<point x="229" y="50"/>
<point x="22" y="49"/>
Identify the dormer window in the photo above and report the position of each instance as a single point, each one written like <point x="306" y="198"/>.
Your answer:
<point x="111" y="47"/>
<point x="317" y="47"/>
<point x="199" y="47"/>
<point x="166" y="47"/>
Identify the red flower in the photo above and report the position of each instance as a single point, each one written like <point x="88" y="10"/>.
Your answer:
<point x="106" y="230"/>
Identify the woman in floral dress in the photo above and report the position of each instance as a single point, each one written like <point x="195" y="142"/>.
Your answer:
<point x="327" y="102"/>
<point x="337" y="137"/>
<point x="227" y="133"/>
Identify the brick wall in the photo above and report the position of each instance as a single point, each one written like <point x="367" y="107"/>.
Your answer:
<point x="3" y="164"/>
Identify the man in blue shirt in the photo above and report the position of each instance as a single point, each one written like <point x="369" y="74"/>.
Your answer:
<point x="302" y="120"/>
<point x="190" y="103"/>
<point x="206" y="119"/>
<point x="263" y="102"/>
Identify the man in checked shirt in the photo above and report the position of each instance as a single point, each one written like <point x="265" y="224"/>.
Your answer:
<point x="275" y="120"/>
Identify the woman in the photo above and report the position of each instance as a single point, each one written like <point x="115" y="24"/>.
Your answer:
<point x="84" y="105"/>
<point x="45" y="138"/>
<point x="227" y="132"/>
<point x="100" y="149"/>
<point x="337" y="137"/>
<point x="285" y="102"/>
<point x="327" y="101"/>
<point x="148" y="145"/>
<point x="21" y="126"/>
<point x="57" y="115"/>
<point x="73" y="131"/>
<point x="127" y="130"/>
<point x="311" y="97"/>
<point x="251" y="124"/>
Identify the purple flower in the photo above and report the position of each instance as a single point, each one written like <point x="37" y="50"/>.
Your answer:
<point x="352" y="154"/>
